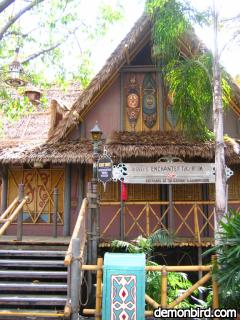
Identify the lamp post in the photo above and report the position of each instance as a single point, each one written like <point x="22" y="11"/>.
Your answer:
<point x="96" y="134"/>
<point x="94" y="229"/>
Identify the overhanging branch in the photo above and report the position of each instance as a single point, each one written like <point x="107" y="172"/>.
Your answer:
<point x="52" y="47"/>
<point x="41" y="52"/>
<point x="4" y="4"/>
<point x="17" y="16"/>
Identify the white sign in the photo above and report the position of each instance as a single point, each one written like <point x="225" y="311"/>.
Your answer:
<point x="166" y="173"/>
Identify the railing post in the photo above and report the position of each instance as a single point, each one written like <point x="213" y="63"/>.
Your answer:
<point x="55" y="212"/>
<point x="147" y="220"/>
<point x="196" y="225"/>
<point x="75" y="279"/>
<point x="215" y="303"/>
<point x="20" y="214"/>
<point x="164" y="288"/>
<point x="99" y="289"/>
<point x="171" y="210"/>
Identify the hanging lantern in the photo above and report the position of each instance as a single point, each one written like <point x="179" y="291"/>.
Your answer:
<point x="15" y="76"/>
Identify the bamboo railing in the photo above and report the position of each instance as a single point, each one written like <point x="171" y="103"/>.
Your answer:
<point x="190" y="218"/>
<point x="11" y="213"/>
<point x="74" y="258"/>
<point x="164" y="284"/>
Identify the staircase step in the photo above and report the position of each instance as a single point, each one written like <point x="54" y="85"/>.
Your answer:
<point x="32" y="263"/>
<point x="30" y="314"/>
<point x="33" y="274"/>
<point x="33" y="286"/>
<point x="32" y="300"/>
<point x="32" y="253"/>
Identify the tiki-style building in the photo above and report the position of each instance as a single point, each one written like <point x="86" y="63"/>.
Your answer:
<point x="131" y="103"/>
<point x="54" y="149"/>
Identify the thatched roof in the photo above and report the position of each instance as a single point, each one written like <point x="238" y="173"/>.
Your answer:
<point x="140" y="34"/>
<point x="65" y="152"/>
<point x="158" y="144"/>
<point x="30" y="128"/>
<point x="35" y="126"/>
<point x="135" y="39"/>
<point x="121" y="146"/>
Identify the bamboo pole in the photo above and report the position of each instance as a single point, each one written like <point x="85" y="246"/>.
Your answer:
<point x="215" y="303"/>
<point x="147" y="220"/>
<point x="196" y="225"/>
<point x="99" y="289"/>
<point x="190" y="290"/>
<point x="9" y="209"/>
<point x="75" y="279"/>
<point x="151" y="302"/>
<point x="13" y="216"/>
<point x="164" y="288"/>
<point x="178" y="268"/>
<point x="93" y="312"/>
<point x="93" y="267"/>
<point x="75" y="234"/>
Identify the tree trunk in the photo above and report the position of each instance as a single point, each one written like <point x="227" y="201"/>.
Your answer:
<point x="220" y="200"/>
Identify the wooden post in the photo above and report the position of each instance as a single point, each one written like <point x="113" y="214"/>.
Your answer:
<point x="164" y="288"/>
<point x="75" y="279"/>
<point x="214" y="284"/>
<point x="89" y="226"/>
<point x="20" y="214"/>
<point x="171" y="211"/>
<point x="196" y="225"/>
<point x="80" y="186"/>
<point x="95" y="222"/>
<point x="122" y="111"/>
<point x="67" y="200"/>
<point x="55" y="212"/>
<point x="147" y="220"/>
<point x="4" y="174"/>
<point x="99" y="289"/>
<point x="122" y="235"/>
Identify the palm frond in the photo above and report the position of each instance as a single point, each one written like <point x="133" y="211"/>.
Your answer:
<point x="162" y="238"/>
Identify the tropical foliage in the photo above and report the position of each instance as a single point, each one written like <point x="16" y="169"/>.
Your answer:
<point x="178" y="282"/>
<point x="46" y="40"/>
<point x="228" y="251"/>
<point x="184" y="68"/>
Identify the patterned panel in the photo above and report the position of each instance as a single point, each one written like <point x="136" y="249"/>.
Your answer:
<point x="38" y="186"/>
<point x="149" y="101"/>
<point x="123" y="297"/>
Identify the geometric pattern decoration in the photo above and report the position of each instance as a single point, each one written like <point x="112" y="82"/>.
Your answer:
<point x="149" y="101"/>
<point x="133" y="102"/>
<point x="123" y="297"/>
<point x="39" y="185"/>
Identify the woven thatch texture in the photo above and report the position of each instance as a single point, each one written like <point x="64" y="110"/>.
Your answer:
<point x="157" y="144"/>
<point x="33" y="127"/>
<point x="72" y="151"/>
<point x="111" y="67"/>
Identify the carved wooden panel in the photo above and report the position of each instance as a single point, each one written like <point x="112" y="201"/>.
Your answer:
<point x="38" y="186"/>
<point x="141" y="105"/>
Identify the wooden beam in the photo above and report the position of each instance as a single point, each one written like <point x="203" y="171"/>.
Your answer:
<point x="67" y="201"/>
<point x="142" y="68"/>
<point x="4" y="188"/>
